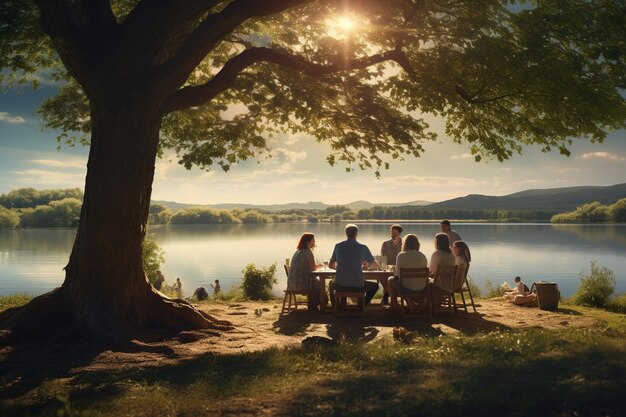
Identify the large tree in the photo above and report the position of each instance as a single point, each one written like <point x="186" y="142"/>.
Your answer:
<point x="211" y="79"/>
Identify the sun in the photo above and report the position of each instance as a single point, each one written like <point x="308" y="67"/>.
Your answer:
<point x="345" y="23"/>
<point x="340" y="26"/>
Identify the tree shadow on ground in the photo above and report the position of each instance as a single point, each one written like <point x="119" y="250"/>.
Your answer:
<point x="25" y="367"/>
<point x="218" y="373"/>
<point x="580" y="384"/>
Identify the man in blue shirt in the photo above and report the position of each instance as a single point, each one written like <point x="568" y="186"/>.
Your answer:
<point x="348" y="257"/>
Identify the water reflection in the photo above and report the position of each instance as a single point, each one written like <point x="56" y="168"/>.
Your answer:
<point x="32" y="260"/>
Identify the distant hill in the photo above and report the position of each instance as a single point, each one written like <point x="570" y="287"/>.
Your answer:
<point x="551" y="199"/>
<point x="559" y="199"/>
<point x="311" y="205"/>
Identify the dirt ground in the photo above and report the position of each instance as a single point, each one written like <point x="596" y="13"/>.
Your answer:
<point x="259" y="325"/>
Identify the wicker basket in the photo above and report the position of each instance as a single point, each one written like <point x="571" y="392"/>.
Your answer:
<point x="547" y="295"/>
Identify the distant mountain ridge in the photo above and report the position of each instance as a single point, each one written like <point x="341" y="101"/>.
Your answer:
<point x="555" y="199"/>
<point x="559" y="199"/>
<point x="311" y="205"/>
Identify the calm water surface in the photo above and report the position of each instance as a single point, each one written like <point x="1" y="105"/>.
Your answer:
<point x="32" y="260"/>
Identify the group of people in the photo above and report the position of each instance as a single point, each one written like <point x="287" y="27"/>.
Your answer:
<point x="349" y="257"/>
<point x="200" y="293"/>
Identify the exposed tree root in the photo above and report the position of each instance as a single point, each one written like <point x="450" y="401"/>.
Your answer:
<point x="50" y="317"/>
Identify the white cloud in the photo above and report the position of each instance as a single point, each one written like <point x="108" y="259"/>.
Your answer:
<point x="54" y="163"/>
<point x="38" y="177"/>
<point x="6" y="117"/>
<point x="462" y="156"/>
<point x="429" y="181"/>
<point x="602" y="155"/>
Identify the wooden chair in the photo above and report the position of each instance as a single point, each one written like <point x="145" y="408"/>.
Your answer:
<point x="445" y="276"/>
<point x="291" y="297"/>
<point x="415" y="280"/>
<point x="461" y="286"/>
<point x="340" y="304"/>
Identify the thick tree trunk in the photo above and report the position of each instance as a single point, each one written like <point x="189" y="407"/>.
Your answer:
<point x="106" y="291"/>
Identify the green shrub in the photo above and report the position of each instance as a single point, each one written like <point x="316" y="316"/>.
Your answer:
<point x="474" y="288"/>
<point x="230" y="295"/>
<point x="257" y="282"/>
<point x="617" y="304"/>
<point x="596" y="287"/>
<point x="492" y="291"/>
<point x="152" y="257"/>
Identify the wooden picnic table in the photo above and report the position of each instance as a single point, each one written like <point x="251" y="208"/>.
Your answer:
<point x="325" y="274"/>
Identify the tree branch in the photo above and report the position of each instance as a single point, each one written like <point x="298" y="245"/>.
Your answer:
<point x="212" y="30"/>
<point x="226" y="77"/>
<point x="60" y="20"/>
<point x="168" y="21"/>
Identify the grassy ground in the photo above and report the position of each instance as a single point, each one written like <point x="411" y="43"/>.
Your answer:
<point x="567" y="372"/>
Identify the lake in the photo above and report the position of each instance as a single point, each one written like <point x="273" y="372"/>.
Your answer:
<point x="31" y="260"/>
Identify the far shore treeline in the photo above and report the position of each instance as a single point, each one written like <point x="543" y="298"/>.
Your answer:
<point x="28" y="207"/>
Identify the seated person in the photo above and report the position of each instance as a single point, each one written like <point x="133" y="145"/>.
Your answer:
<point x="461" y="252"/>
<point x="520" y="289"/>
<point x="520" y="299"/>
<point x="347" y="258"/>
<point x="200" y="294"/>
<point x="441" y="257"/>
<point x="301" y="269"/>
<point x="390" y="249"/>
<point x="410" y="257"/>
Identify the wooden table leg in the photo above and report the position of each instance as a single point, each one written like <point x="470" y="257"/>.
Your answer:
<point x="322" y="293"/>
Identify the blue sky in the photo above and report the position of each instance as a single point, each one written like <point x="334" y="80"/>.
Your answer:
<point x="297" y="171"/>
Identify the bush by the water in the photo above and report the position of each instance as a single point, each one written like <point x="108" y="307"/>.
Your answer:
<point x="617" y="304"/>
<point x="257" y="282"/>
<point x="152" y="257"/>
<point x="595" y="287"/>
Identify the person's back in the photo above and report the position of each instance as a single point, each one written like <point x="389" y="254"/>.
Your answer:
<point x="349" y="256"/>
<point x="160" y="279"/>
<point x="412" y="258"/>
<point x="442" y="257"/>
<point x="201" y="293"/>
<point x="300" y="270"/>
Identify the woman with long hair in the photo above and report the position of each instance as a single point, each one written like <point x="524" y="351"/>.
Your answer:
<point x="441" y="257"/>
<point x="462" y="255"/>
<point x="301" y="269"/>
<point x="410" y="257"/>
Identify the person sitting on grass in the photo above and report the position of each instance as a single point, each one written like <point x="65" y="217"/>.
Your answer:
<point x="520" y="289"/>
<point x="200" y="294"/>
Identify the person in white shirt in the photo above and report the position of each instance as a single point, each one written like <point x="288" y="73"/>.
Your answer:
<point x="520" y="289"/>
<point x="410" y="257"/>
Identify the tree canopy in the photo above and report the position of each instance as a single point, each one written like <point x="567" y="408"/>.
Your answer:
<point x="357" y="74"/>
